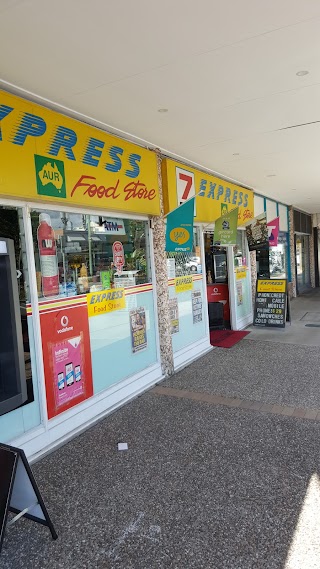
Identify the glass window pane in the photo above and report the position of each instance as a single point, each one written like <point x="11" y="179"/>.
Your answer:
<point x="76" y="253"/>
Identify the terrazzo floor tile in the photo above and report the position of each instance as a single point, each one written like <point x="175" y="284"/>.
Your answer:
<point x="201" y="486"/>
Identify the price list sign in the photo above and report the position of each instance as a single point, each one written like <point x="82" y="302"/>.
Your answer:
<point x="270" y="303"/>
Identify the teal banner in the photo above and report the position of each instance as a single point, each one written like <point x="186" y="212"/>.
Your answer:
<point x="179" y="232"/>
<point x="225" y="229"/>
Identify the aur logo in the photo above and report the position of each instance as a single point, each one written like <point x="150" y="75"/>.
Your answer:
<point x="50" y="177"/>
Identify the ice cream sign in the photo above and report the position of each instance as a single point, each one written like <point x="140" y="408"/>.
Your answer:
<point x="118" y="256"/>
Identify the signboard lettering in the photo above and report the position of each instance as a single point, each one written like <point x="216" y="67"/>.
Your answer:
<point x="62" y="159"/>
<point x="271" y="302"/>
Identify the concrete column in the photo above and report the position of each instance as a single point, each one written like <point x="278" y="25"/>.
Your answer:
<point x="253" y="266"/>
<point x="162" y="291"/>
<point x="312" y="264"/>
<point x="293" y="286"/>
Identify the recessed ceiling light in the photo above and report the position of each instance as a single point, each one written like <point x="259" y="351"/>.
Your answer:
<point x="162" y="110"/>
<point x="302" y="73"/>
<point x="271" y="175"/>
<point x="293" y="189"/>
<point x="235" y="154"/>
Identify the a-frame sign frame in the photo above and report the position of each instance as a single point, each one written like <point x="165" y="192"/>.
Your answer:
<point x="19" y="492"/>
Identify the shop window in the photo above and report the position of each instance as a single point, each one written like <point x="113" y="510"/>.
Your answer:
<point x="76" y="253"/>
<point x="11" y="227"/>
<point x="278" y="258"/>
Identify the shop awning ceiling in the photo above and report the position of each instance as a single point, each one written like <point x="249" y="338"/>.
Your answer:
<point x="232" y="86"/>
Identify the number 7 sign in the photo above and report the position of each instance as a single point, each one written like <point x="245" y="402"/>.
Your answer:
<point x="185" y="185"/>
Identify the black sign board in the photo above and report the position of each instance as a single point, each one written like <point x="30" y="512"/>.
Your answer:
<point x="19" y="492"/>
<point x="271" y="303"/>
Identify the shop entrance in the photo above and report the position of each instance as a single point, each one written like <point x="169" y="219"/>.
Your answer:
<point x="228" y="282"/>
<point x="302" y="248"/>
<point x="217" y="284"/>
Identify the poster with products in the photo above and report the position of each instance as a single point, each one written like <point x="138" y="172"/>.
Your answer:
<point x="67" y="364"/>
<point x="196" y="300"/>
<point x="138" y="329"/>
<point x="174" y="315"/>
<point x="66" y="354"/>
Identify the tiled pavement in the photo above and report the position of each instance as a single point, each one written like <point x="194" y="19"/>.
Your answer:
<point x="288" y="411"/>
<point x="222" y="472"/>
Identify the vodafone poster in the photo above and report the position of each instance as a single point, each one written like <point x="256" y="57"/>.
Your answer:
<point x="66" y="355"/>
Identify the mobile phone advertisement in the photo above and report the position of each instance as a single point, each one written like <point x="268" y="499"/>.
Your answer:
<point x="66" y="353"/>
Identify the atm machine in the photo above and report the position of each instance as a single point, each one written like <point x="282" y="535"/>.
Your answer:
<point x="13" y="387"/>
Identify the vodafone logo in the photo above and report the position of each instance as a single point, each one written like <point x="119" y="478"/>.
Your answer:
<point x="215" y="290"/>
<point x="64" y="321"/>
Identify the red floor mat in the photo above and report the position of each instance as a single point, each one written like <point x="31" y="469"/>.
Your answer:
<point x="226" y="338"/>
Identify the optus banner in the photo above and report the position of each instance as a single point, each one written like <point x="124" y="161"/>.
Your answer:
<point x="181" y="183"/>
<point x="47" y="156"/>
<point x="179" y="231"/>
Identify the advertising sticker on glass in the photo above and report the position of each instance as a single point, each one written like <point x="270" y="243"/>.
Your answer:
<point x="174" y="315"/>
<point x="196" y="306"/>
<point x="138" y="329"/>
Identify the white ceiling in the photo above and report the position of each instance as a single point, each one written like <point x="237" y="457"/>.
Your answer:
<point x="226" y="72"/>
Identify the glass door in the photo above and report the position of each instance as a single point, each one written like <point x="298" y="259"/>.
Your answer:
<point x="240" y="283"/>
<point x="302" y="262"/>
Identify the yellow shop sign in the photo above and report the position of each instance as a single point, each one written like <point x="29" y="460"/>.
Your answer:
<point x="214" y="196"/>
<point x="182" y="284"/>
<point x="47" y="156"/>
<point x="105" y="301"/>
<point x="271" y="285"/>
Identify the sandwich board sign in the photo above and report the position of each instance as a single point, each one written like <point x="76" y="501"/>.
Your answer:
<point x="19" y="492"/>
<point x="272" y="307"/>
